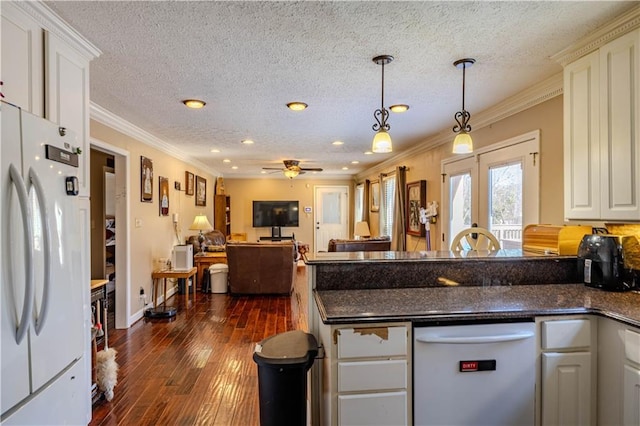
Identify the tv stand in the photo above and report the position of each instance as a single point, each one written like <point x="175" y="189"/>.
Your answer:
<point x="282" y="238"/>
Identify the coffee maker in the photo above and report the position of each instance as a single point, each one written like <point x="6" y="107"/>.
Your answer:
<point x="602" y="263"/>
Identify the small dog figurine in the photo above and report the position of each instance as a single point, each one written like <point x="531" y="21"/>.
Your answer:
<point x="107" y="371"/>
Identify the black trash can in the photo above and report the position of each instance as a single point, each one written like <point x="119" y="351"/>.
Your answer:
<point x="283" y="361"/>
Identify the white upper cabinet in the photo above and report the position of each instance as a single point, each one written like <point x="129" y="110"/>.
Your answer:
<point x="602" y="132"/>
<point x="45" y="70"/>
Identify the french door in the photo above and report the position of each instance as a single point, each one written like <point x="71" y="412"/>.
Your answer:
<point x="496" y="188"/>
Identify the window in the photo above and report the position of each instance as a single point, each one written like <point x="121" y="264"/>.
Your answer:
<point x="496" y="187"/>
<point x="387" y="201"/>
<point x="358" y="211"/>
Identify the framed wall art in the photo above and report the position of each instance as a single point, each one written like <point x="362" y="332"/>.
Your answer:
<point x="146" y="180"/>
<point x="188" y="183"/>
<point x="201" y="191"/>
<point x="375" y="196"/>
<point x="416" y="198"/>
<point x="163" y="185"/>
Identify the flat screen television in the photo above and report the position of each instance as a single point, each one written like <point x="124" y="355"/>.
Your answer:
<point x="275" y="213"/>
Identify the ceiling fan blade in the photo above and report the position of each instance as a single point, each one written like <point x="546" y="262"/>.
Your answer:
<point x="312" y="169"/>
<point x="272" y="168"/>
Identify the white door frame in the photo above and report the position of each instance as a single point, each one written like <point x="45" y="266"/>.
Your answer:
<point x="123" y="245"/>
<point x="320" y="245"/>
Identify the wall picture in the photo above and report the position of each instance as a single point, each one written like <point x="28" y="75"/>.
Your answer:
<point x="375" y="196"/>
<point x="146" y="179"/>
<point x="201" y="191"/>
<point x="164" y="195"/>
<point x="416" y="198"/>
<point x="188" y="183"/>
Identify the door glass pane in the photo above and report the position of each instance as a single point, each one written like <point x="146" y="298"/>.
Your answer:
<point x="460" y="199"/>
<point x="331" y="208"/>
<point x="505" y="204"/>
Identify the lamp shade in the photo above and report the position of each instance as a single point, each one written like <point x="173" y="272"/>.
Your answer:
<point x="291" y="173"/>
<point x="462" y="144"/>
<point x="362" y="230"/>
<point x="201" y="223"/>
<point x="381" y="142"/>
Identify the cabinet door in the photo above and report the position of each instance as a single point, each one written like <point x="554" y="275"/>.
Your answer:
<point x="22" y="66"/>
<point x="631" y="402"/>
<point x="620" y="128"/>
<point x="581" y="136"/>
<point x="383" y="409"/>
<point x="67" y="97"/>
<point x="566" y="388"/>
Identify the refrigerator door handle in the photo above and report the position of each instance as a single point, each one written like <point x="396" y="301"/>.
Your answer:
<point x="41" y="317"/>
<point x="23" y="201"/>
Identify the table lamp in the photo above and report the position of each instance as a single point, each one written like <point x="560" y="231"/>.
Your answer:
<point x="362" y="230"/>
<point x="201" y="223"/>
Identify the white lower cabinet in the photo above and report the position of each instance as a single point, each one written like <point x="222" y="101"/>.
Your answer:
<point x="631" y="398"/>
<point x="568" y="371"/>
<point x="566" y="388"/>
<point x="366" y="374"/>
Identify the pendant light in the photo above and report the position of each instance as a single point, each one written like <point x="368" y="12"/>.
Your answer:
<point x="463" y="144"/>
<point x="382" y="139"/>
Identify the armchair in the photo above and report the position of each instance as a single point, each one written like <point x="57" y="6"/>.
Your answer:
<point x="261" y="268"/>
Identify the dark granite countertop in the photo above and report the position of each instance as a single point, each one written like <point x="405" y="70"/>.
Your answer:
<point x="432" y="304"/>
<point x="324" y="258"/>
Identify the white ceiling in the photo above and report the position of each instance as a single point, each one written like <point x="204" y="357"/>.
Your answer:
<point x="247" y="59"/>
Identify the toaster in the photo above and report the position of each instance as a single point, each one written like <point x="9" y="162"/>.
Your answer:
<point x="602" y="263"/>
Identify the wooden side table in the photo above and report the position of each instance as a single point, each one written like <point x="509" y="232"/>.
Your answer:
<point x="206" y="259"/>
<point x="162" y="275"/>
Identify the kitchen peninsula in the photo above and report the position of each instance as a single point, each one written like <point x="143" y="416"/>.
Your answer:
<point x="365" y="307"/>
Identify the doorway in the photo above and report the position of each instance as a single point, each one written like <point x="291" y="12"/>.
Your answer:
<point x="331" y="219"/>
<point x="110" y="227"/>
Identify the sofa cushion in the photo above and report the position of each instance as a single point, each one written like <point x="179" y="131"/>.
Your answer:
<point x="371" y="244"/>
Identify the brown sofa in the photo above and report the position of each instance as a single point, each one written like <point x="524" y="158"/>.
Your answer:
<point x="261" y="268"/>
<point x="371" y="244"/>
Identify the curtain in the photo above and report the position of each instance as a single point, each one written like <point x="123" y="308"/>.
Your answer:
<point x="399" y="242"/>
<point x="366" y="201"/>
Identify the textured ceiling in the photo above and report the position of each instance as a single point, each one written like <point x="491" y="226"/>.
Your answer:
<point x="248" y="59"/>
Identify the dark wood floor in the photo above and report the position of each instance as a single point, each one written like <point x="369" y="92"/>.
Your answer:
<point x="196" y="369"/>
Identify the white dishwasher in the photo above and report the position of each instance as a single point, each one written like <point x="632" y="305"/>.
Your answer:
<point x="474" y="374"/>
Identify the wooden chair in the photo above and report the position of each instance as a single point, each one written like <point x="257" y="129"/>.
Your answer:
<point x="476" y="238"/>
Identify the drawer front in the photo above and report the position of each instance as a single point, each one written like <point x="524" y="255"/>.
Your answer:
<point x="372" y="375"/>
<point x="372" y="342"/>
<point x="566" y="334"/>
<point x="632" y="346"/>
<point x="373" y="409"/>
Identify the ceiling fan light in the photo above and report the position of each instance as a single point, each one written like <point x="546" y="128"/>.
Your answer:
<point x="291" y="173"/>
<point x="462" y="144"/>
<point x="381" y="142"/>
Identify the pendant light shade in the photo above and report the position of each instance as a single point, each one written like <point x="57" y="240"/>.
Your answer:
<point x="463" y="144"/>
<point x="382" y="139"/>
<point x="291" y="173"/>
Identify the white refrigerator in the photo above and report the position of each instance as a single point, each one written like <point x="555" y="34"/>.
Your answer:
<point x="44" y="301"/>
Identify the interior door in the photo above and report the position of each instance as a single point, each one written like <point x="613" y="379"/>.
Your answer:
<point x="331" y="215"/>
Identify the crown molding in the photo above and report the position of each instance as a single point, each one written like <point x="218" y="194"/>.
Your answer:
<point x="537" y="94"/>
<point x="50" y="21"/>
<point x="625" y="23"/>
<point x="121" y="125"/>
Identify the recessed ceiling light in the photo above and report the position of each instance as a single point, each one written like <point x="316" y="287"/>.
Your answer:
<point x="297" y="106"/>
<point x="345" y="168"/>
<point x="263" y="172"/>
<point x="215" y="150"/>
<point x="337" y="143"/>
<point x="355" y="162"/>
<point x="399" y="108"/>
<point x="234" y="167"/>
<point x="247" y="142"/>
<point x="226" y="160"/>
<point x="194" y="103"/>
<point x="368" y="153"/>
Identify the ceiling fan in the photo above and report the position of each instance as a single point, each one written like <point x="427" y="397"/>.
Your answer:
<point x="292" y="168"/>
